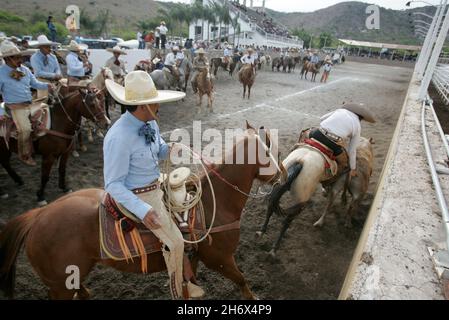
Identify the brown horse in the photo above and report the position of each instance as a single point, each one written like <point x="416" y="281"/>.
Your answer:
<point x="205" y="86"/>
<point x="66" y="232"/>
<point x="312" y="68"/>
<point x="217" y="63"/>
<point x="58" y="142"/>
<point x="247" y="76"/>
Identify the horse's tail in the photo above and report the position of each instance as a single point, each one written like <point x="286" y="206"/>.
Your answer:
<point x="12" y="237"/>
<point x="279" y="191"/>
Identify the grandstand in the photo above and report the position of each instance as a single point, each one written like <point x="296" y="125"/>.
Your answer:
<point x="256" y="27"/>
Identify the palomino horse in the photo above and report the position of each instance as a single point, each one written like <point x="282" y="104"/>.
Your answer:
<point x="217" y="63"/>
<point x="310" y="67"/>
<point x="66" y="232"/>
<point x="247" y="76"/>
<point x="307" y="169"/>
<point x="58" y="142"/>
<point x="205" y="86"/>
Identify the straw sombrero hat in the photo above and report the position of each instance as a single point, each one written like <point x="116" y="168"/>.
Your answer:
<point x="9" y="49"/>
<point x="116" y="49"/>
<point x="42" y="40"/>
<point x="73" y="46"/>
<point x="359" y="109"/>
<point x="156" y="60"/>
<point x="139" y="90"/>
<point x="200" y="51"/>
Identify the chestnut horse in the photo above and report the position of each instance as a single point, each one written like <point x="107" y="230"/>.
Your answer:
<point x="247" y="76"/>
<point x="58" y="142"/>
<point x="205" y="86"/>
<point x="66" y="232"/>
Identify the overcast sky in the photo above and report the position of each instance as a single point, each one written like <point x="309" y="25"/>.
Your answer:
<point x="312" y="5"/>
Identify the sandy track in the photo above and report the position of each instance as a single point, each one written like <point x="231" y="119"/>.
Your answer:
<point x="311" y="263"/>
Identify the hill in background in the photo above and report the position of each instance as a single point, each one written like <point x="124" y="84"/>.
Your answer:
<point x="343" y="20"/>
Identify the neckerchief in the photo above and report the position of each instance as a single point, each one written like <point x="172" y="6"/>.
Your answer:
<point x="149" y="133"/>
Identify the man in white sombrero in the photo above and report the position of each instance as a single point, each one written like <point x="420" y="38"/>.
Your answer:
<point x="132" y="150"/>
<point x="117" y="65"/>
<point x="76" y="66"/>
<point x="199" y="63"/>
<point x="343" y="128"/>
<point x="16" y="82"/>
<point x="45" y="64"/>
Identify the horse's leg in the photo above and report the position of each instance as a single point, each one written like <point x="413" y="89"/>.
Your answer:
<point x="81" y="144"/>
<point x="5" y="161"/>
<point x="47" y="164"/>
<point x="83" y="293"/>
<point x="291" y="212"/>
<point x="249" y="92"/>
<point x="332" y="194"/>
<point x="62" y="172"/>
<point x="244" y="91"/>
<point x="225" y="264"/>
<point x="268" y="215"/>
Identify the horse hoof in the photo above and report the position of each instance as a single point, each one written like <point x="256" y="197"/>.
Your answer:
<point x="4" y="196"/>
<point x="259" y="234"/>
<point x="75" y="154"/>
<point x="42" y="203"/>
<point x="83" y="149"/>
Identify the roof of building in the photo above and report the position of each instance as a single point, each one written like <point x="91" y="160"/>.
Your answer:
<point x="357" y="43"/>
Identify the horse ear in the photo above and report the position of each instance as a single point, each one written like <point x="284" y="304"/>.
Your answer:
<point x="248" y="126"/>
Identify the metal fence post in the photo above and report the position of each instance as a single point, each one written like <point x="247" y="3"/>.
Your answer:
<point x="426" y="49"/>
<point x="434" y="57"/>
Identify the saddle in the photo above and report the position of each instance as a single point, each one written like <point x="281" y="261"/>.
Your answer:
<point x="334" y="167"/>
<point x="40" y="121"/>
<point x="124" y="237"/>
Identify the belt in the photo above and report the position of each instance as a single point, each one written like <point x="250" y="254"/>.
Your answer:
<point x="330" y="135"/>
<point x="146" y="189"/>
<point x="21" y="105"/>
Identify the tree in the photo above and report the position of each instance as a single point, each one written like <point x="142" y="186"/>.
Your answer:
<point x="236" y="26"/>
<point x="325" y="39"/>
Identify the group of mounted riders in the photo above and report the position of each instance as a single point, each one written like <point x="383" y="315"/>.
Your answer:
<point x="132" y="149"/>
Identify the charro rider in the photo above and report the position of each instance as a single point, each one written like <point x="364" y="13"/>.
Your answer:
<point x="77" y="68"/>
<point x="132" y="149"/>
<point x="199" y="63"/>
<point x="16" y="82"/>
<point x="171" y="59"/>
<point x="227" y="56"/>
<point x="248" y="58"/>
<point x="343" y="128"/>
<point x="117" y="65"/>
<point x="45" y="64"/>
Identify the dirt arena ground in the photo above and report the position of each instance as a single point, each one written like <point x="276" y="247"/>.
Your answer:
<point x="311" y="263"/>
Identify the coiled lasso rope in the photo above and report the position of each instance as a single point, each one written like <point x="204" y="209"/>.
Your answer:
<point x="195" y="197"/>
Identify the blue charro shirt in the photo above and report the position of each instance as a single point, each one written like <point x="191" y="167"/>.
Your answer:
<point x="75" y="67"/>
<point x="130" y="163"/>
<point x="18" y="91"/>
<point x="315" y="59"/>
<point x="45" y="69"/>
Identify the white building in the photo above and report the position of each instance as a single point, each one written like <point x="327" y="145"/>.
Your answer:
<point x="256" y="27"/>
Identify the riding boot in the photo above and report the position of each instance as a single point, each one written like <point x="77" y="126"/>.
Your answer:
<point x="194" y="291"/>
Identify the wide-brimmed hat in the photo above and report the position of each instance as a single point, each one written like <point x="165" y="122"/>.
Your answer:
<point x="200" y="51"/>
<point x="156" y="60"/>
<point x="163" y="22"/>
<point x="175" y="48"/>
<point x="74" y="46"/>
<point x="250" y="49"/>
<point x="9" y="49"/>
<point x="42" y="40"/>
<point x="116" y="49"/>
<point x="139" y="90"/>
<point x="359" y="109"/>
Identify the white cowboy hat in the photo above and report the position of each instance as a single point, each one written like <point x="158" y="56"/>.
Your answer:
<point x="42" y="40"/>
<point x="250" y="49"/>
<point x="156" y="60"/>
<point x="9" y="49"/>
<point x="175" y="48"/>
<point x="200" y="51"/>
<point x="116" y="49"/>
<point x="139" y="90"/>
<point x="359" y="109"/>
<point x="163" y="22"/>
<point x="229" y="47"/>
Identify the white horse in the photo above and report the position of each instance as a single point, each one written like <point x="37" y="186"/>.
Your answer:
<point x="306" y="169"/>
